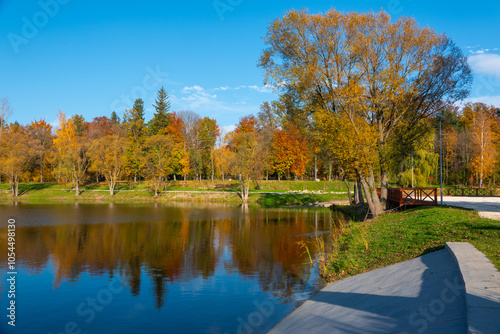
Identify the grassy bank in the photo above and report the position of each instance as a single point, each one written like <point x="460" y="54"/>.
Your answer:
<point x="402" y="236"/>
<point x="268" y="193"/>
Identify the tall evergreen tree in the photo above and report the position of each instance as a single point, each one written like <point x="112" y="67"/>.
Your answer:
<point x="115" y="118"/>
<point x="79" y="123"/>
<point x="138" y="109"/>
<point x="161" y="118"/>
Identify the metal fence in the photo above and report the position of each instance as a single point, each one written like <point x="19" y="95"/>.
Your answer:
<point x="479" y="192"/>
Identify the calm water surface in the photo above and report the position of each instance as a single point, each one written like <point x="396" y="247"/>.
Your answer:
<point x="152" y="268"/>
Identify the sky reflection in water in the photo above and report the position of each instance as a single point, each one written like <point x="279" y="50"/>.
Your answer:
<point x="122" y="268"/>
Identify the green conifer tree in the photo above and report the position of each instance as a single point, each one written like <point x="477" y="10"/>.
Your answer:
<point x="161" y="118"/>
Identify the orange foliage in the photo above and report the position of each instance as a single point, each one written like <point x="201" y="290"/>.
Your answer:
<point x="290" y="151"/>
<point x="175" y="128"/>
<point x="246" y="124"/>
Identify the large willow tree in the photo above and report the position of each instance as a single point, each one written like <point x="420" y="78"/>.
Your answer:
<point x="374" y="78"/>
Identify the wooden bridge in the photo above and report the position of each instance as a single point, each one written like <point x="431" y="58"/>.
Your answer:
<point x="411" y="196"/>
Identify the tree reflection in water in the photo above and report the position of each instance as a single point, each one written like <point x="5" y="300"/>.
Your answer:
<point x="190" y="244"/>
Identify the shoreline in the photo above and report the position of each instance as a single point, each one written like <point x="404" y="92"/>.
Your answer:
<point x="302" y="199"/>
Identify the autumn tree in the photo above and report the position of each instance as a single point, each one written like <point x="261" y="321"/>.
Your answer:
<point x="290" y="152"/>
<point x="267" y="125"/>
<point x="480" y="120"/>
<point x="245" y="154"/>
<point x="133" y="123"/>
<point x="100" y="127"/>
<point x="370" y="72"/>
<point x="107" y="155"/>
<point x="180" y="156"/>
<point x="16" y="151"/>
<point x="72" y="149"/>
<point x="41" y="132"/>
<point x="208" y="131"/>
<point x="190" y="125"/>
<point x="223" y="156"/>
<point x="161" y="118"/>
<point x="158" y="160"/>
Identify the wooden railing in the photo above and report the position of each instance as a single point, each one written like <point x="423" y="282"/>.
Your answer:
<point x="422" y="196"/>
<point x="411" y="196"/>
<point x="473" y="192"/>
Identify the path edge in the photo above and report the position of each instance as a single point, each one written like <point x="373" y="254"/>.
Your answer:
<point x="482" y="287"/>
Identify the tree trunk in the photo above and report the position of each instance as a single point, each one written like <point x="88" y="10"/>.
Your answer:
<point x="15" y="187"/>
<point x="356" y="193"/>
<point x="213" y="169"/>
<point x="247" y="190"/>
<point x="112" y="188"/>
<point x="41" y="171"/>
<point x="361" y="200"/>
<point x="348" y="186"/>
<point x="372" y="198"/>
<point x="384" y="186"/>
<point x="330" y="172"/>
<point x="175" y="177"/>
<point x="77" y="189"/>
<point x="244" y="186"/>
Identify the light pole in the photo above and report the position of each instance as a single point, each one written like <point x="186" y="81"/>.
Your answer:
<point x="412" y="154"/>
<point x="441" y="155"/>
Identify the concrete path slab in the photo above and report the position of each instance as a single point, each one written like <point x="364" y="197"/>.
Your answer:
<point x="423" y="295"/>
<point x="455" y="290"/>
<point x="487" y="207"/>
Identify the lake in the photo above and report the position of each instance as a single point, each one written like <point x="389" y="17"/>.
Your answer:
<point x="157" y="268"/>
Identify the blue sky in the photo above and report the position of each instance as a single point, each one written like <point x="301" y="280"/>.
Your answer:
<point x="93" y="57"/>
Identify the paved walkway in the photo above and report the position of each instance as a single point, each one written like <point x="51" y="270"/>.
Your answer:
<point x="423" y="295"/>
<point x="487" y="207"/>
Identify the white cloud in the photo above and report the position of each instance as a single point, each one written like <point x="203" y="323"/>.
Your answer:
<point x="486" y="63"/>
<point x="488" y="100"/>
<point x="263" y="89"/>
<point x="228" y="128"/>
<point x="196" y="91"/>
<point x="205" y="101"/>
<point x="260" y="89"/>
<point x="194" y="88"/>
<point x="222" y="88"/>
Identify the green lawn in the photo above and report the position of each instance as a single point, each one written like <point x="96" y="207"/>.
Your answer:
<point x="402" y="236"/>
<point x="194" y="191"/>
